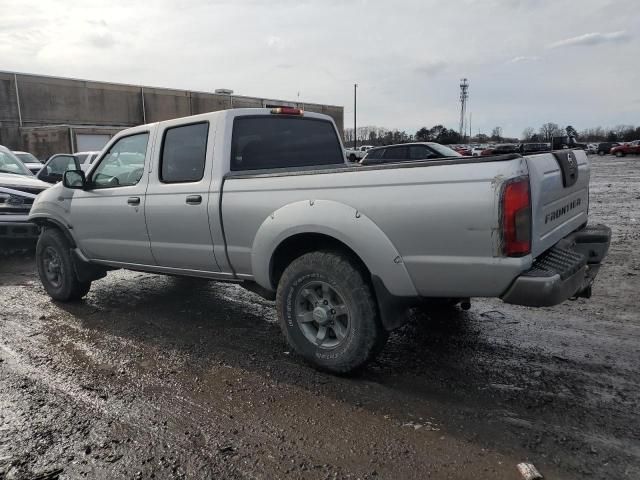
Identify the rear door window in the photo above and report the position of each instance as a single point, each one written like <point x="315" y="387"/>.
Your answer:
<point x="396" y="154"/>
<point x="420" y="152"/>
<point x="265" y="142"/>
<point x="375" y="154"/>
<point x="183" y="153"/>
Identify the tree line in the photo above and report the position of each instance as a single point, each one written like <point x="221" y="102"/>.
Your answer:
<point x="370" y="135"/>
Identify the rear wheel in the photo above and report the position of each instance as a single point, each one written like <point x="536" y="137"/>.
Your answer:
<point x="55" y="267"/>
<point x="328" y="312"/>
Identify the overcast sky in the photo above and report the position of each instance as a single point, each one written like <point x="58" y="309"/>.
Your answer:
<point x="528" y="61"/>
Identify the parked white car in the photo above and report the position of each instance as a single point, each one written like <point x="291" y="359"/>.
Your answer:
<point x="29" y="160"/>
<point x="353" y="155"/>
<point x="477" y="151"/>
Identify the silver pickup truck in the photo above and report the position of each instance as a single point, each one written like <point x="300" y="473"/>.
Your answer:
<point x="264" y="198"/>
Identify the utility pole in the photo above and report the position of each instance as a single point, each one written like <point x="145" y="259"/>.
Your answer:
<point x="355" y="104"/>
<point x="464" y="95"/>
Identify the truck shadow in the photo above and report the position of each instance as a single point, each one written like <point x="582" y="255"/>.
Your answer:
<point x="442" y="352"/>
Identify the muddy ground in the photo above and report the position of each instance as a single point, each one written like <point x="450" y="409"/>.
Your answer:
<point x="157" y="377"/>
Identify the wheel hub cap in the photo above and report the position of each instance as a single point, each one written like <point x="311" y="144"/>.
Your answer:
<point x="322" y="314"/>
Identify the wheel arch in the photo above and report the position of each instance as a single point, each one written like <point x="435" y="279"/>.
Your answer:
<point x="49" y="222"/>
<point x="311" y="225"/>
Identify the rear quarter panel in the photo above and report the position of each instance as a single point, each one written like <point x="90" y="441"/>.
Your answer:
<point x="442" y="219"/>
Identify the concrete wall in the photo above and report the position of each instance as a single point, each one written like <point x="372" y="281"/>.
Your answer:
<point x="49" y="101"/>
<point x="44" y="142"/>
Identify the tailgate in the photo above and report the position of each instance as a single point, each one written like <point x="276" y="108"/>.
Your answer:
<point x="559" y="196"/>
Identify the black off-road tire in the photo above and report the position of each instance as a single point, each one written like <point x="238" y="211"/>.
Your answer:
<point x="69" y="288"/>
<point x="366" y="336"/>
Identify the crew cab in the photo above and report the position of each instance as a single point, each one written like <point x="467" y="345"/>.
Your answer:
<point x="265" y="198"/>
<point x="630" y="148"/>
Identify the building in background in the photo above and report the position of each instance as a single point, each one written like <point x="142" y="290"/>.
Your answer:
<point x="46" y="115"/>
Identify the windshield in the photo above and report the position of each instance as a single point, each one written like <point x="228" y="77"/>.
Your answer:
<point x="444" y="151"/>
<point x="26" y="157"/>
<point x="9" y="163"/>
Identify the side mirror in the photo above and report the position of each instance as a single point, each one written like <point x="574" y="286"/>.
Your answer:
<point x="74" y="179"/>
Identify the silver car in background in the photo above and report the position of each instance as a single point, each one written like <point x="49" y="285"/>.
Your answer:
<point x="29" y="160"/>
<point x="18" y="191"/>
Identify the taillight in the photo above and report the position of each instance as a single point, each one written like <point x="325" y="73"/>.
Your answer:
<point x="287" y="111"/>
<point x="516" y="217"/>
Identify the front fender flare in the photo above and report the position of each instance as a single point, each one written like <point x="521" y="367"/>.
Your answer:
<point x="44" y="220"/>
<point x="339" y="221"/>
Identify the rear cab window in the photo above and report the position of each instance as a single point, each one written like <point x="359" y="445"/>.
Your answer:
<point x="271" y="142"/>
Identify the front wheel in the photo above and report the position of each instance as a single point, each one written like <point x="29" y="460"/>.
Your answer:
<point x="619" y="154"/>
<point x="55" y="267"/>
<point x="328" y="312"/>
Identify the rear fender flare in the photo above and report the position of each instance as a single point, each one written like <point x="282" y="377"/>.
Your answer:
<point x="339" y="221"/>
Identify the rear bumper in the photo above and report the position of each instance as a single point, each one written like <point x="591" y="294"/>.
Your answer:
<point x="565" y="271"/>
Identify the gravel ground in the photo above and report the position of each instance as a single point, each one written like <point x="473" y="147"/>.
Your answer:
<point x="159" y="377"/>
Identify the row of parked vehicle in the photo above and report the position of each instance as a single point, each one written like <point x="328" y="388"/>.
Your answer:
<point x="614" y="148"/>
<point x="369" y="155"/>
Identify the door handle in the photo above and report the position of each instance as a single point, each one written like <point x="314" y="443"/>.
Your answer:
<point x="133" y="200"/>
<point x="194" y="199"/>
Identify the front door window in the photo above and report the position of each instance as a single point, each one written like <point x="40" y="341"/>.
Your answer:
<point x="123" y="164"/>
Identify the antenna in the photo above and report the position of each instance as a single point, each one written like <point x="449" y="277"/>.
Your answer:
<point x="464" y="96"/>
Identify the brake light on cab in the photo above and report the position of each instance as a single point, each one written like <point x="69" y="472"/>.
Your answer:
<point x="516" y="217"/>
<point x="287" y="111"/>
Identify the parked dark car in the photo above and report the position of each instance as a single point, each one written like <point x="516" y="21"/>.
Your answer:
<point x="604" y="148"/>
<point x="407" y="152"/>
<point x="61" y="162"/>
<point x="500" y="150"/>
<point x="56" y="166"/>
<point x="534" y="147"/>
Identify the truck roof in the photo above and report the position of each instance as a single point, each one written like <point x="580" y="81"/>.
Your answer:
<point x="237" y="112"/>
